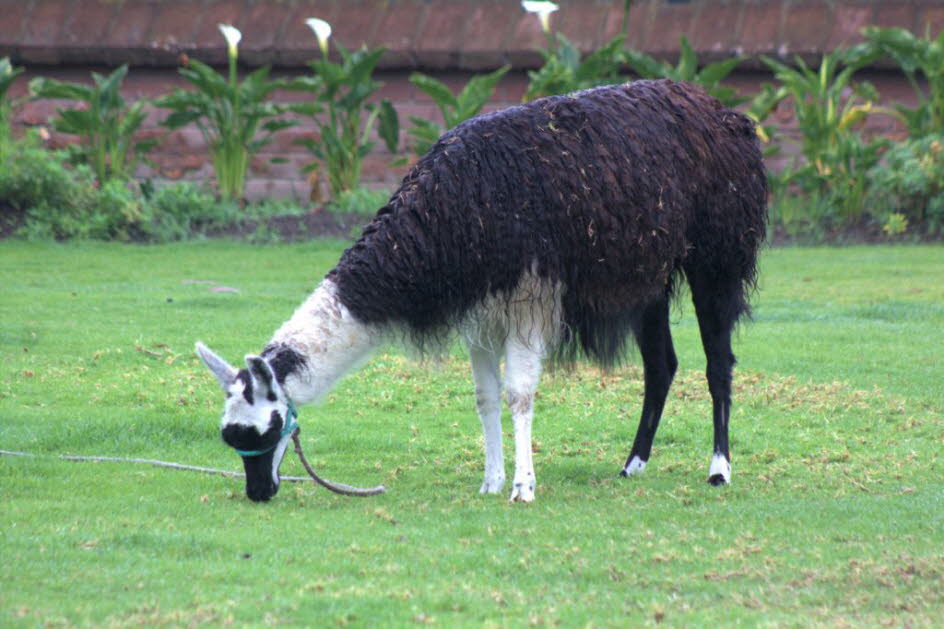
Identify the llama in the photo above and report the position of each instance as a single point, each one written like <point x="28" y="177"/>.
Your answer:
<point x="548" y="231"/>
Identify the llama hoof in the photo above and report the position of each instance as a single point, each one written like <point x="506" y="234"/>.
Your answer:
<point x="720" y="471"/>
<point x="522" y="492"/>
<point x="634" y="467"/>
<point x="717" y="480"/>
<point x="492" y="485"/>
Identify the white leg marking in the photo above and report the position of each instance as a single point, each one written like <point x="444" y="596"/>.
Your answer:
<point x="720" y="469"/>
<point x="634" y="467"/>
<point x="522" y="371"/>
<point x="485" y="372"/>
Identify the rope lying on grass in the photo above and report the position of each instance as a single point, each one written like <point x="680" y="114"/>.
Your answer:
<point x="154" y="462"/>
<point x="338" y="488"/>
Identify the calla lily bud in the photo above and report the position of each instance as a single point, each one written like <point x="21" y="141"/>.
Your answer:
<point x="322" y="31"/>
<point x="543" y="10"/>
<point x="232" y="36"/>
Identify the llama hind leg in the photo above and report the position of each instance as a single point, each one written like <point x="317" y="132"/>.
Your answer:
<point x="718" y="308"/>
<point x="485" y="372"/>
<point x="658" y="355"/>
<point x="522" y="372"/>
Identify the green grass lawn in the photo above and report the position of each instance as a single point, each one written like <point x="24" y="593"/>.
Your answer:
<point x="835" y="515"/>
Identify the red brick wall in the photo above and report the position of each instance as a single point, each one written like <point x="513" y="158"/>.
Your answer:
<point x="451" y="40"/>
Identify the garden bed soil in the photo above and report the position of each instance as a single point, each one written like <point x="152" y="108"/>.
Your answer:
<point x="323" y="224"/>
<point x="11" y="220"/>
<point x="315" y="224"/>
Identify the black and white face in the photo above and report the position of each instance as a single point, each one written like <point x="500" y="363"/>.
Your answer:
<point x="255" y="415"/>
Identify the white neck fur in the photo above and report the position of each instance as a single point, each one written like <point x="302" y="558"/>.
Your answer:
<point x="329" y="338"/>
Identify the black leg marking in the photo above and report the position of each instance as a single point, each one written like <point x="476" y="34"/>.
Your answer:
<point x="718" y="304"/>
<point x="660" y="363"/>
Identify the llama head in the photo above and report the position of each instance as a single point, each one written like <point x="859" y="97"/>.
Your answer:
<point x="258" y="419"/>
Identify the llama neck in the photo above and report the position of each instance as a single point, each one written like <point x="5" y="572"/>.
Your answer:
<point x="318" y="345"/>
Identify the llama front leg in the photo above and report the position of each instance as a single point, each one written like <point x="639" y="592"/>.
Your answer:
<point x="522" y="371"/>
<point x="485" y="373"/>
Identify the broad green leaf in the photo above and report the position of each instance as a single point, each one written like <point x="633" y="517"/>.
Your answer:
<point x="688" y="62"/>
<point x="75" y="121"/>
<point x="434" y="89"/>
<point x="179" y="119"/>
<point x="272" y="126"/>
<point x="645" y="66"/>
<point x="8" y="74"/>
<point x="714" y="73"/>
<point x="48" y="88"/>
<point x="388" y="127"/>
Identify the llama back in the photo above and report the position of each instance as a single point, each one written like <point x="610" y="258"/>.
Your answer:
<point x="606" y="193"/>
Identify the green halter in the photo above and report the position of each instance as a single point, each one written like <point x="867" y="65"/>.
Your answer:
<point x="288" y="429"/>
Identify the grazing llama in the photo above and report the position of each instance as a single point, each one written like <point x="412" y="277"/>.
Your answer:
<point x="547" y="231"/>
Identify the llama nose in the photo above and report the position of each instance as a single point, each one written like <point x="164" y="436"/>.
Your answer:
<point x="261" y="492"/>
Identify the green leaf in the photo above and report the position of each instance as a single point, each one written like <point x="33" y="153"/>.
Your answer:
<point x="180" y="119"/>
<point x="714" y="73"/>
<point x="477" y="92"/>
<point x="75" y="121"/>
<point x="567" y="53"/>
<point x="388" y="127"/>
<point x="8" y="74"/>
<point x="273" y="126"/>
<point x="688" y="62"/>
<point x="601" y="66"/>
<point x="310" y="108"/>
<point x="645" y="66"/>
<point x="434" y="89"/>
<point x="48" y="88"/>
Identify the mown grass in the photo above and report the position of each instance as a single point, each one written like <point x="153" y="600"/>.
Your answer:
<point x="835" y="515"/>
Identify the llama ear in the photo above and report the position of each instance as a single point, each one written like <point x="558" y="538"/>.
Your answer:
<point x="220" y="368"/>
<point x="263" y="378"/>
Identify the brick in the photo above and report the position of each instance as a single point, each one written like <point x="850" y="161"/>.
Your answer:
<point x="889" y="15"/>
<point x="848" y="25"/>
<point x="395" y="87"/>
<point x="183" y="141"/>
<point x="488" y="28"/>
<point x="716" y="33"/>
<point x="641" y="16"/>
<point x="262" y="28"/>
<point x="377" y="169"/>
<point x="284" y="166"/>
<point x="37" y="112"/>
<point x="284" y="142"/>
<point x="440" y="39"/>
<point x="425" y="110"/>
<point x="760" y="28"/>
<point x="85" y="30"/>
<point x="13" y="17"/>
<point x="670" y="22"/>
<point x="298" y="44"/>
<point x="613" y="21"/>
<point x="126" y="39"/>
<point x="584" y="27"/>
<point x="806" y="28"/>
<point x="396" y="31"/>
<point x="360" y="20"/>
<point x="525" y="41"/>
<point x="931" y="19"/>
<point x="39" y="38"/>
<point x="260" y="189"/>
<point x="512" y="88"/>
<point x="174" y="27"/>
<point x="210" y="43"/>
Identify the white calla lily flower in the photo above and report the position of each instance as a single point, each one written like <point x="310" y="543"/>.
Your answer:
<point x="322" y="31"/>
<point x="543" y="9"/>
<point x="232" y="36"/>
